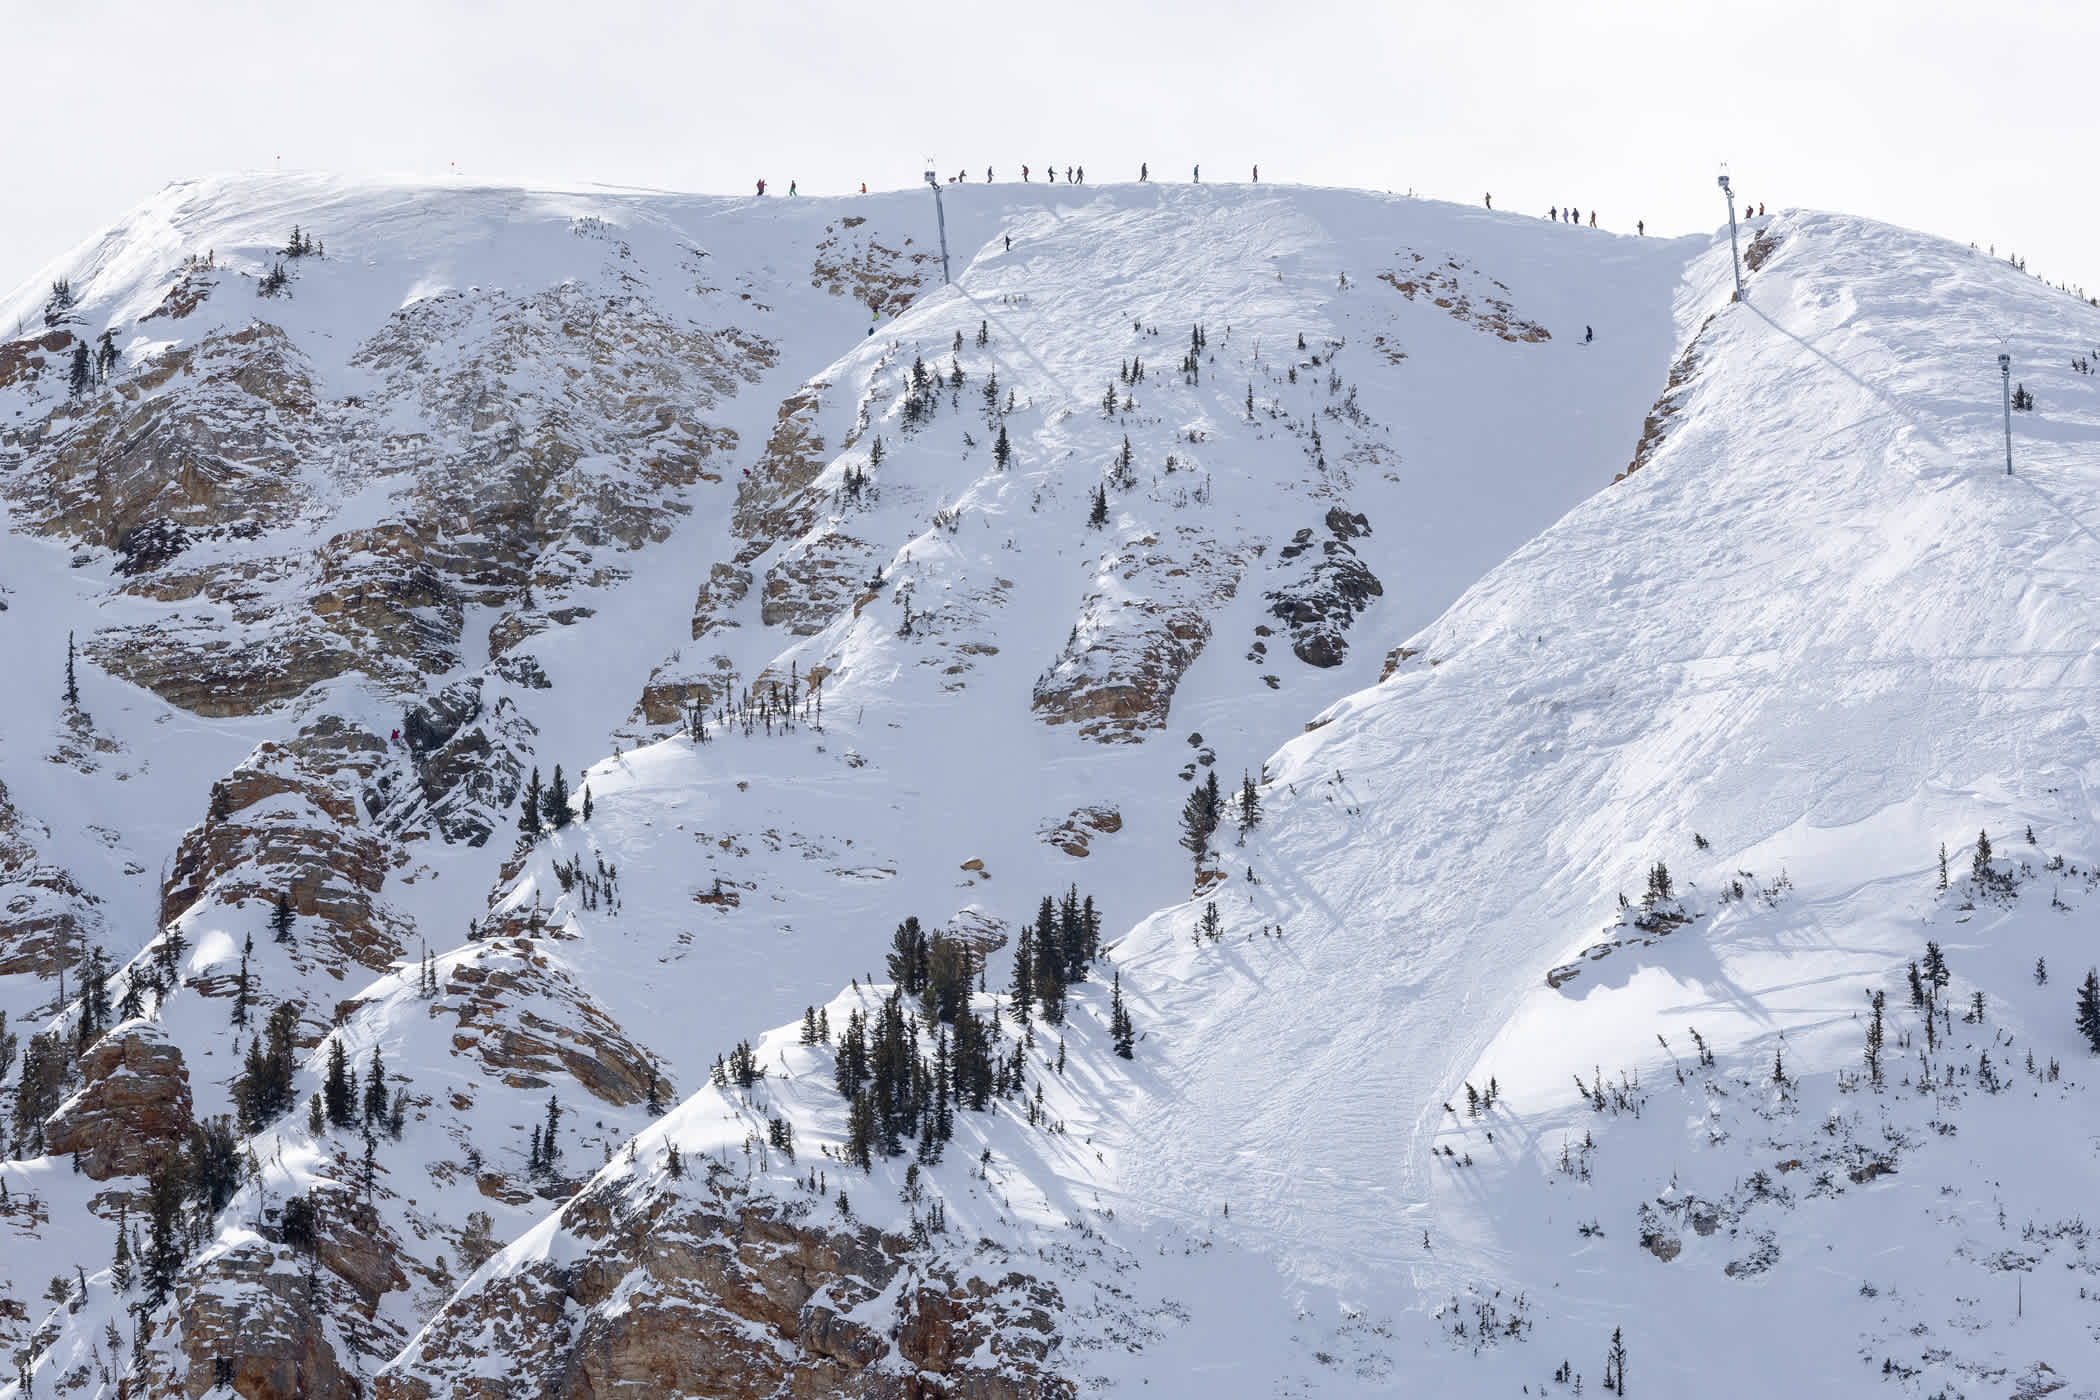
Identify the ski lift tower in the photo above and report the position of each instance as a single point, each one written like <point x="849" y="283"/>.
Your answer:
<point x="940" y="216"/>
<point x="2005" y="382"/>
<point x="1732" y="248"/>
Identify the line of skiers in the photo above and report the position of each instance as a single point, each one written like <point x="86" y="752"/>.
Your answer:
<point x="1074" y="175"/>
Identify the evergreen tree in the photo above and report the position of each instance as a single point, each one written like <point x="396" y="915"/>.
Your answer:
<point x="1980" y="869"/>
<point x="281" y="918"/>
<point x="82" y="374"/>
<point x="550" y="1145"/>
<point x="1917" y="986"/>
<point x="1048" y="947"/>
<point x="1943" y="865"/>
<point x="947" y="989"/>
<point x="120" y="1269"/>
<point x="241" y="990"/>
<point x="94" y="996"/>
<point x="529" y="809"/>
<point x="264" y="1089"/>
<point x="850" y="1070"/>
<point x="1003" y="450"/>
<point x="2041" y="972"/>
<point x="1199" y="818"/>
<point x="338" y="1095"/>
<point x="655" y="1104"/>
<point x="2089" y="1010"/>
<point x="1250" y="804"/>
<point x="860" y="1131"/>
<point x="972" y="1071"/>
<point x="586" y="801"/>
<point x="1097" y="514"/>
<point x="1119" y="1028"/>
<point x="1023" y="992"/>
<point x="375" y="1093"/>
<point x="908" y="960"/>
<point x="1936" y="974"/>
<point x="1874" y="1040"/>
<point x="72" y="683"/>
<point x="554" y="806"/>
<point x="163" y="1259"/>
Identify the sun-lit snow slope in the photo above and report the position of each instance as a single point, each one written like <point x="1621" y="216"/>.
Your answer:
<point x="1821" y="628"/>
<point x="938" y="748"/>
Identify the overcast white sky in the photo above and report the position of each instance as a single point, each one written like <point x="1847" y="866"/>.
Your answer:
<point x="1968" y="120"/>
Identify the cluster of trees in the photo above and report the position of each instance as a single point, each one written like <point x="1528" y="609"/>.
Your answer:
<point x="770" y="706"/>
<point x="345" y="1105"/>
<point x="546" y="808"/>
<point x="1055" y="951"/>
<point x="302" y="244"/>
<point x="1204" y="811"/>
<point x="925" y="1052"/>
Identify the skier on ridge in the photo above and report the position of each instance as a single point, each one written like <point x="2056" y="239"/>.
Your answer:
<point x="761" y="189"/>
<point x="1196" y="176"/>
<point x="1024" y="174"/>
<point x="1144" y="172"/>
<point x="1491" y="199"/>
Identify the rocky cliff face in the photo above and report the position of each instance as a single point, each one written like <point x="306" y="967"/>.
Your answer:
<point x="694" y="1287"/>
<point x="132" y="1111"/>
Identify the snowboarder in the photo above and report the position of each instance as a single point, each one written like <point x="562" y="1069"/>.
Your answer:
<point x="1082" y="174"/>
<point x="1640" y="228"/>
<point x="761" y="189"/>
<point x="1593" y="218"/>
<point x="1588" y="335"/>
<point x="988" y="174"/>
<point x="1553" y="214"/>
<point x="1144" y="172"/>
<point x="1009" y="243"/>
<point x="397" y="736"/>
<point x="1024" y="174"/>
<point x="1257" y="174"/>
<point x="791" y="189"/>
<point x="1196" y="176"/>
<point x="1051" y="174"/>
<point x="1068" y="176"/>
<point x="864" y="187"/>
<point x="1760" y="211"/>
<point x="1491" y="199"/>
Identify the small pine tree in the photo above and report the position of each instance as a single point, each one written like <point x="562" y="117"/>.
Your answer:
<point x="281" y="918"/>
<point x="1943" y="865"/>
<point x="2041" y="972"/>
<point x="338" y="1094"/>
<point x="1119" y="1028"/>
<point x="529" y="809"/>
<point x="554" y="806"/>
<point x="1250" y="804"/>
<point x="2089" y="1010"/>
<point x="375" y="1104"/>
<point x="1097" y="514"/>
<point x="1936" y="974"/>
<point x="83" y="373"/>
<point x="1980" y="869"/>
<point x="586" y="801"/>
<point x="1003" y="450"/>
<point x="1874" y="1040"/>
<point x="72" y="682"/>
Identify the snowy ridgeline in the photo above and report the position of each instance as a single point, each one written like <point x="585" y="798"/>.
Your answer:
<point x="1349" y="1152"/>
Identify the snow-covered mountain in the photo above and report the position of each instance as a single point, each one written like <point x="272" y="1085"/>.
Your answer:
<point x="1612" y="662"/>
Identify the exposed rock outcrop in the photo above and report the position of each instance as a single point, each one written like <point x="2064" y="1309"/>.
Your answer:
<point x="1318" y="607"/>
<point x="133" y="1109"/>
<point x="698" y="1289"/>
